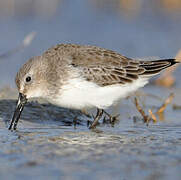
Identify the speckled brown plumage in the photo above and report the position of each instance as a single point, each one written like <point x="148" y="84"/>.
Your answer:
<point x="105" y="67"/>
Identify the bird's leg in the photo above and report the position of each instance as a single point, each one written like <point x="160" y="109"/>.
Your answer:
<point x="112" y="119"/>
<point x="96" y="118"/>
<point x="75" y="122"/>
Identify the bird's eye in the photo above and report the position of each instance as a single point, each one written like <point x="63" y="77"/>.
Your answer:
<point x="28" y="79"/>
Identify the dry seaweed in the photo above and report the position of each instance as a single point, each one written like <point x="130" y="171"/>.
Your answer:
<point x="165" y="104"/>
<point x="146" y="118"/>
<point x="152" y="116"/>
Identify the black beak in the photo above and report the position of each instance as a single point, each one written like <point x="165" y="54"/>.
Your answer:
<point x="17" y="113"/>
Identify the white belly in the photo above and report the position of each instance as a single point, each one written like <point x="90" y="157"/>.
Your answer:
<point x="79" y="94"/>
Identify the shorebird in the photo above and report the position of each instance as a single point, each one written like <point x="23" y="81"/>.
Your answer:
<point x="81" y="77"/>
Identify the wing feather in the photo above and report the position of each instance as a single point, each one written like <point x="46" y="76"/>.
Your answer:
<point x="105" y="67"/>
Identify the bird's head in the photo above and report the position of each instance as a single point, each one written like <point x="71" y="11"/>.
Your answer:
<point x="30" y="79"/>
<point x="30" y="82"/>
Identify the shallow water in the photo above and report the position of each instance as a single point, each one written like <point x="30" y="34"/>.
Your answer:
<point x="47" y="145"/>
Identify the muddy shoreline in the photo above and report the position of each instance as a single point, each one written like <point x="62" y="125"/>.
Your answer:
<point x="46" y="144"/>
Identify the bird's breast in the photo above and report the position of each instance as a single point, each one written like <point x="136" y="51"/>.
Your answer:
<point x="78" y="93"/>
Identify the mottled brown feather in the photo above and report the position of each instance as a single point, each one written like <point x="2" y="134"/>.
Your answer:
<point x="105" y="67"/>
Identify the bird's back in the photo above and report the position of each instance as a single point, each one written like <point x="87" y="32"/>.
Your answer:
<point x="106" y="67"/>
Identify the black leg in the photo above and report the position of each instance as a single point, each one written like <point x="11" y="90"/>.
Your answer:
<point x="96" y="119"/>
<point x="111" y="118"/>
<point x="75" y="122"/>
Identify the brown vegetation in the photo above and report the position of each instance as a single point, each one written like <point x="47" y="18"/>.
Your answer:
<point x="152" y="116"/>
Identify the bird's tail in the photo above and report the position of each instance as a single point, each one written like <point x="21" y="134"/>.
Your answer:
<point x="155" y="67"/>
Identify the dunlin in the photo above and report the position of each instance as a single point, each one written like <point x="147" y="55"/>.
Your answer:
<point x="79" y="77"/>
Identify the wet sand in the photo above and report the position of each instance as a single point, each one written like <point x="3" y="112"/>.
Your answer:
<point x="48" y="146"/>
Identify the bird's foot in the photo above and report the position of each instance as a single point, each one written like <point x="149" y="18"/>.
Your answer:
<point x="111" y="119"/>
<point x="107" y="119"/>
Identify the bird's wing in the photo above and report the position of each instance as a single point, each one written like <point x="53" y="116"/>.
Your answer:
<point x="105" y="67"/>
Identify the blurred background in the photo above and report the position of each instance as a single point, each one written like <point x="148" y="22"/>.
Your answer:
<point x="135" y="28"/>
<point x="46" y="144"/>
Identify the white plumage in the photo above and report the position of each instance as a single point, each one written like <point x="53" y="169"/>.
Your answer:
<point x="79" y="93"/>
